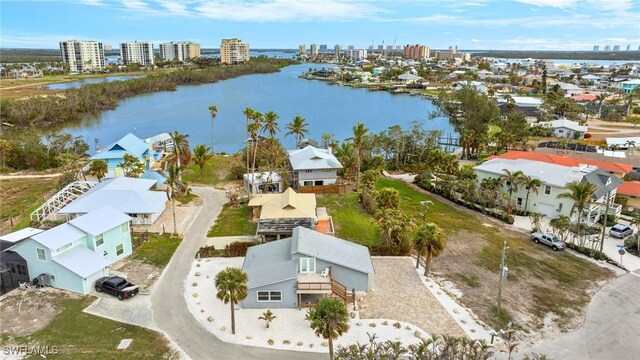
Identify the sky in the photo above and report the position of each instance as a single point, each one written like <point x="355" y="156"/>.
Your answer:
<point x="469" y="24"/>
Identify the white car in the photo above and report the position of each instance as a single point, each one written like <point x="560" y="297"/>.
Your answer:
<point x="620" y="231"/>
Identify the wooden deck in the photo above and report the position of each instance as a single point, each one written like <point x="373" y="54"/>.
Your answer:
<point x="314" y="284"/>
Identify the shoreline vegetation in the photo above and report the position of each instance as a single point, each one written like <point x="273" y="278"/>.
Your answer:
<point x="92" y="99"/>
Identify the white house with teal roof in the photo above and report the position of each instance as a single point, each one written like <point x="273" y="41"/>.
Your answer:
<point x="132" y="145"/>
<point x="72" y="256"/>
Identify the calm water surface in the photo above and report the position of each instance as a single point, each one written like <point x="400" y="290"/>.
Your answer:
<point x="327" y="108"/>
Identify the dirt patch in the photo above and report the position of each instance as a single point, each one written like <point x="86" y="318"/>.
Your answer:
<point x="138" y="272"/>
<point x="545" y="293"/>
<point x="399" y="294"/>
<point x="23" y="312"/>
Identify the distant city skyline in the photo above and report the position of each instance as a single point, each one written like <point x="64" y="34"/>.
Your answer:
<point x="469" y="24"/>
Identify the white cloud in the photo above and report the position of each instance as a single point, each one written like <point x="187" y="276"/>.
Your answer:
<point x="561" y="4"/>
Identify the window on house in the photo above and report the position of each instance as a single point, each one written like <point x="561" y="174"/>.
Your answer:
<point x="560" y="207"/>
<point x="519" y="202"/>
<point x="99" y="240"/>
<point x="124" y="228"/>
<point x="119" y="250"/>
<point x="13" y="267"/>
<point x="42" y="255"/>
<point x="22" y="270"/>
<point x="319" y="183"/>
<point x="269" y="296"/>
<point x="308" y="170"/>
<point x="547" y="190"/>
<point x="308" y="183"/>
<point x="307" y="265"/>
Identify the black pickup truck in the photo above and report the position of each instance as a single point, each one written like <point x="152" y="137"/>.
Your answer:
<point x="116" y="286"/>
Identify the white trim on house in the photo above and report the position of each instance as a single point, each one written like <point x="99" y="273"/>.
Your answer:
<point x="269" y="294"/>
<point x="308" y="269"/>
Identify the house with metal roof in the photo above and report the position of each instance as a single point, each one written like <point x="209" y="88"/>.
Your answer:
<point x="312" y="166"/>
<point x="73" y="255"/>
<point x="131" y="196"/>
<point x="555" y="179"/>
<point x="297" y="271"/>
<point x="130" y="144"/>
<point x="278" y="214"/>
<point x="564" y="128"/>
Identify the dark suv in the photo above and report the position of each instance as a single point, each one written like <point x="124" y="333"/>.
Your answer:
<point x="116" y="286"/>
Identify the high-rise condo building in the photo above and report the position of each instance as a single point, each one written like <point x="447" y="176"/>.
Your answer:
<point x="629" y="47"/>
<point x="416" y="52"/>
<point x="233" y="51"/>
<point x="313" y="49"/>
<point x="82" y="55"/>
<point x="323" y="48"/>
<point x="137" y="53"/>
<point x="336" y="50"/>
<point x="179" y="50"/>
<point x="380" y="48"/>
<point x="302" y="49"/>
<point x="607" y="48"/>
<point x="351" y="47"/>
<point x="596" y="48"/>
<point x="616" y="47"/>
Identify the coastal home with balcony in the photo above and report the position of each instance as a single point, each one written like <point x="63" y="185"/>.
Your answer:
<point x="312" y="166"/>
<point x="296" y="272"/>
<point x="73" y="255"/>
<point x="130" y="144"/>
<point x="555" y="179"/>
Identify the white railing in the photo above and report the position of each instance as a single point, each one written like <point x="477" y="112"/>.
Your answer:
<point x="62" y="198"/>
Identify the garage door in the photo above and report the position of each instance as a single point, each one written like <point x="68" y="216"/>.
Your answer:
<point x="547" y="210"/>
<point x="91" y="279"/>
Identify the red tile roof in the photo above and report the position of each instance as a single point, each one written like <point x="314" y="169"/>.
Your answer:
<point x="564" y="160"/>
<point x="584" y="97"/>
<point x="629" y="188"/>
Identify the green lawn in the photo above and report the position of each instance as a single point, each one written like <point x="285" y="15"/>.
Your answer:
<point x="233" y="221"/>
<point x="215" y="171"/>
<point x="79" y="335"/>
<point x="20" y="197"/>
<point x="158" y="250"/>
<point x="350" y="220"/>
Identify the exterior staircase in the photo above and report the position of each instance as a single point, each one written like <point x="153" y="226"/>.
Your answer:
<point x="61" y="199"/>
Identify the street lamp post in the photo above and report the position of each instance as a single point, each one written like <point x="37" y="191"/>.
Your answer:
<point x="504" y="271"/>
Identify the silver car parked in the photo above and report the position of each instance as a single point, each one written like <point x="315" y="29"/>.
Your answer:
<point x="620" y="231"/>
<point x="548" y="239"/>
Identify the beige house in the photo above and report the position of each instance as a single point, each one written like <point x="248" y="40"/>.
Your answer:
<point x="233" y="51"/>
<point x="278" y="214"/>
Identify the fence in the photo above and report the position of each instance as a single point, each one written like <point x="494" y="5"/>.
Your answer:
<point x="324" y="189"/>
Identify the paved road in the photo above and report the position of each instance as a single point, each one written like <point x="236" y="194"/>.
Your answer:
<point x="170" y="310"/>
<point x="611" y="329"/>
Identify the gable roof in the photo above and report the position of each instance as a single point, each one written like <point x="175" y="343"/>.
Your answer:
<point x="603" y="181"/>
<point x="127" y="195"/>
<point x="331" y="249"/>
<point x="269" y="263"/>
<point x="564" y="160"/>
<point x="129" y="144"/>
<point x="289" y="204"/>
<point x="563" y="123"/>
<point x="58" y="236"/>
<point x="20" y="235"/>
<point x="101" y="220"/>
<point x="311" y="157"/>
<point x="81" y="261"/>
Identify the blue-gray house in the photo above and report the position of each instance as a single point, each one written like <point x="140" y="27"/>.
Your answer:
<point x="72" y="256"/>
<point x="297" y="271"/>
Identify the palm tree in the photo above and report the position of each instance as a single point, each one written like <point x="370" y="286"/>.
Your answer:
<point x="359" y="134"/>
<point x="99" y="169"/>
<point x="511" y="180"/>
<point x="581" y="193"/>
<point x="629" y="98"/>
<point x="250" y="114"/>
<point x="174" y="185"/>
<point x="213" y="111"/>
<point x="432" y="239"/>
<point x="635" y="220"/>
<point x="201" y="154"/>
<point x="394" y="225"/>
<point x="231" y="284"/>
<point x="329" y="319"/>
<point x="600" y="98"/>
<point x="180" y="147"/>
<point x="530" y="184"/>
<point x="297" y="127"/>
<point x="346" y="155"/>
<point x="270" y="124"/>
<point x="268" y="317"/>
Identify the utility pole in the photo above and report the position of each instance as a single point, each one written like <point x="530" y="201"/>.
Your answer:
<point x="504" y="271"/>
<point x="604" y="223"/>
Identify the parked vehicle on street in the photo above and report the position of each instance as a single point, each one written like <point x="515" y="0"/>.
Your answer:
<point x="116" y="286"/>
<point x="548" y="239"/>
<point x="620" y="231"/>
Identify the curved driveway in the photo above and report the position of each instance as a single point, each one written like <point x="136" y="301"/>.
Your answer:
<point x="170" y="310"/>
<point x="611" y="329"/>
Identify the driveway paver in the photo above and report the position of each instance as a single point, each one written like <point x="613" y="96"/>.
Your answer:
<point x="400" y="294"/>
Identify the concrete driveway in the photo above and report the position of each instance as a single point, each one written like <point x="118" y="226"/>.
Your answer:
<point x="136" y="311"/>
<point x="611" y="329"/>
<point x="170" y="310"/>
